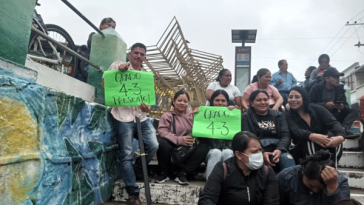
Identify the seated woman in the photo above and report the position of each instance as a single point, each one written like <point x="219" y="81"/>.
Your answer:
<point x="263" y="83"/>
<point x="271" y="128"/>
<point x="312" y="127"/>
<point x="315" y="181"/>
<point x="174" y="128"/>
<point x="242" y="179"/>
<point x="223" y="82"/>
<point x="220" y="150"/>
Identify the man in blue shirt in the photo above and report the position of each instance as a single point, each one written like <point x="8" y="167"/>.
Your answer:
<point x="283" y="80"/>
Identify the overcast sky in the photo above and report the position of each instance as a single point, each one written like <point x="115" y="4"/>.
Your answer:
<point x="296" y="30"/>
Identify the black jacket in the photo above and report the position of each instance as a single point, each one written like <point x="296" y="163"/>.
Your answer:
<point x="322" y="122"/>
<point x="293" y="191"/>
<point x="233" y="189"/>
<point x="316" y="94"/>
<point x="249" y="123"/>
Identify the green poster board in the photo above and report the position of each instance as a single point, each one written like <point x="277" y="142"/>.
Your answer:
<point x="129" y="88"/>
<point x="216" y="122"/>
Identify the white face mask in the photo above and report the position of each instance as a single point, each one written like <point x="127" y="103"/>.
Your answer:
<point x="255" y="161"/>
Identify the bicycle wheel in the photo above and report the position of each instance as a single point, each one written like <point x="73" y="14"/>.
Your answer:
<point x="42" y="48"/>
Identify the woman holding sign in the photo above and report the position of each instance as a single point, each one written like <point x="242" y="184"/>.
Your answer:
<point x="271" y="128"/>
<point x="242" y="179"/>
<point x="174" y="128"/>
<point x="263" y="83"/>
<point x="220" y="150"/>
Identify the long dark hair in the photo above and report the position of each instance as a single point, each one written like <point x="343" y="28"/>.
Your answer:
<point x="216" y="93"/>
<point x="254" y="95"/>
<point x="221" y="73"/>
<point x="305" y="99"/>
<point x="241" y="140"/>
<point x="313" y="165"/>
<point x="180" y="92"/>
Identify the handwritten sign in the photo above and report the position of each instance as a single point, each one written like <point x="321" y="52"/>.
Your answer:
<point x="129" y="88"/>
<point x="216" y="122"/>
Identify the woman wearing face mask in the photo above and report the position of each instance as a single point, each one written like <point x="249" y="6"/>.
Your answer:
<point x="315" y="181"/>
<point x="263" y="83"/>
<point x="220" y="150"/>
<point x="312" y="127"/>
<point x="271" y="128"/>
<point x="175" y="128"/>
<point x="223" y="82"/>
<point x="242" y="179"/>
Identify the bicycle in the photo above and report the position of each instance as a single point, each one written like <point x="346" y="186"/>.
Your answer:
<point x="48" y="53"/>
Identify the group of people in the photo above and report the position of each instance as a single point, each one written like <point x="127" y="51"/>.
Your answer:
<point x="303" y="144"/>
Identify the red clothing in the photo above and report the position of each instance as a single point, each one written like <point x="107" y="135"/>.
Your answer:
<point x="362" y="107"/>
<point x="183" y="124"/>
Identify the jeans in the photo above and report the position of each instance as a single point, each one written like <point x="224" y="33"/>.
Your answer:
<point x="347" y="117"/>
<point x="215" y="156"/>
<point x="125" y="132"/>
<point x="286" y="160"/>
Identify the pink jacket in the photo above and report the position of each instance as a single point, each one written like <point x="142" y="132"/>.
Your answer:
<point x="183" y="126"/>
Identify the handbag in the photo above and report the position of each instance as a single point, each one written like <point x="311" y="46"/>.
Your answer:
<point x="180" y="153"/>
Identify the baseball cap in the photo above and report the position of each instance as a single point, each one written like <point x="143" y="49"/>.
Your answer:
<point x="332" y="72"/>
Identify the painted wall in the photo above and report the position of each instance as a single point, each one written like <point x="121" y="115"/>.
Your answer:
<point x="54" y="148"/>
<point x="15" y="20"/>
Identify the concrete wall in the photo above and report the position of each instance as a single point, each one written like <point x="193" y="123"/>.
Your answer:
<point x="54" y="148"/>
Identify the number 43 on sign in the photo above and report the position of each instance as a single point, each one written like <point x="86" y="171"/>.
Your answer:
<point x="216" y="122"/>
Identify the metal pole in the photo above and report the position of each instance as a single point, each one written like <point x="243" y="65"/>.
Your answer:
<point x="144" y="161"/>
<point x="65" y="48"/>
<point x="83" y="17"/>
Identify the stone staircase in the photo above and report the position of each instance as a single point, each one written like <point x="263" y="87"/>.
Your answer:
<point x="351" y="164"/>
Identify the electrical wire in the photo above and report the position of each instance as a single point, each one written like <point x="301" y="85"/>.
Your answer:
<point x="341" y="45"/>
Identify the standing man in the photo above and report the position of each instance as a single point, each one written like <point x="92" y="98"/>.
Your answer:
<point x="331" y="95"/>
<point x="126" y="128"/>
<point x="283" y="80"/>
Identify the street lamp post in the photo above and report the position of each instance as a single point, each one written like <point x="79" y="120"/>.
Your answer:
<point x="243" y="56"/>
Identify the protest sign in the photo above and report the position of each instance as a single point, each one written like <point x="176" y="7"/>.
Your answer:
<point x="129" y="88"/>
<point x="216" y="122"/>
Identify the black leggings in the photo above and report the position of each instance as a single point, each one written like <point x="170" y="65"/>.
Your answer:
<point x="306" y="148"/>
<point x="191" y="163"/>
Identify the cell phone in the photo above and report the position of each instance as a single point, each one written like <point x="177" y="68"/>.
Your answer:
<point x="271" y="158"/>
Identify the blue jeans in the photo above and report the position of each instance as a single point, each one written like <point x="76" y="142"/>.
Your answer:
<point x="125" y="132"/>
<point x="286" y="160"/>
<point x="215" y="156"/>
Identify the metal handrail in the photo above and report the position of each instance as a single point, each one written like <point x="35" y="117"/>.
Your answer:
<point x="45" y="36"/>
<point x="83" y="17"/>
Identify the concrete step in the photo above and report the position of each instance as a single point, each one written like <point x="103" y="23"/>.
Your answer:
<point x="169" y="192"/>
<point x="355" y="177"/>
<point x="357" y="194"/>
<point x="352" y="159"/>
<point x="351" y="144"/>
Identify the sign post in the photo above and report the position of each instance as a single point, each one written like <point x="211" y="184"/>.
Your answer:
<point x="243" y="56"/>
<point x="242" y="67"/>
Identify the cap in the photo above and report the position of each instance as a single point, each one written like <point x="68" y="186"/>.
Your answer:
<point x="332" y="72"/>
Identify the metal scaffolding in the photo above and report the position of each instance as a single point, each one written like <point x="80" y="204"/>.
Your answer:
<point x="177" y="66"/>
